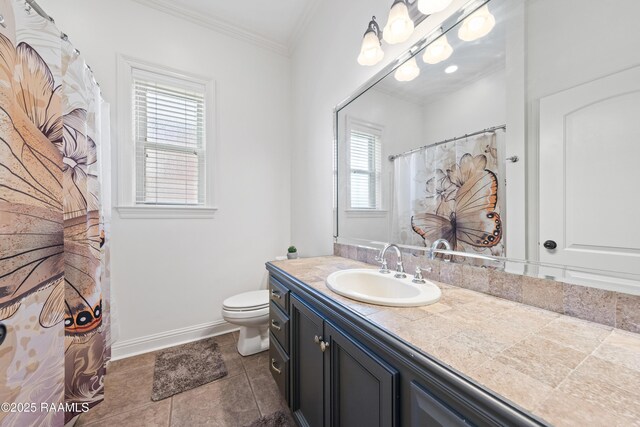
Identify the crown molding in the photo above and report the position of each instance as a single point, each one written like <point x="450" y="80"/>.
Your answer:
<point x="218" y="25"/>
<point x="303" y="22"/>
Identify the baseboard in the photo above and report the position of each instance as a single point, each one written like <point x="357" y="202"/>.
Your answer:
<point x="133" y="347"/>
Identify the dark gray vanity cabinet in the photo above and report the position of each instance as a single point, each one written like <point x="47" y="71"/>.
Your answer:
<point x="361" y="388"/>
<point x="336" y="368"/>
<point x="335" y="381"/>
<point x="279" y="335"/>
<point x="307" y="367"/>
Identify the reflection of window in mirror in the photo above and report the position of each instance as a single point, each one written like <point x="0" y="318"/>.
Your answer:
<point x="365" y="167"/>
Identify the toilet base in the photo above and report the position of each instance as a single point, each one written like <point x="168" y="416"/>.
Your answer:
<point x="253" y="339"/>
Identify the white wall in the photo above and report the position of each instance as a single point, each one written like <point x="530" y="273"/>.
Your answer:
<point x="324" y="73"/>
<point x="173" y="274"/>
<point x="401" y="123"/>
<point x="477" y="106"/>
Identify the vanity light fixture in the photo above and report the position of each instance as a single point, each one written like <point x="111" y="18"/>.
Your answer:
<point x="477" y="25"/>
<point x="437" y="51"/>
<point x="429" y="7"/>
<point x="371" y="52"/>
<point x="407" y="71"/>
<point x="451" y="69"/>
<point x="399" y="24"/>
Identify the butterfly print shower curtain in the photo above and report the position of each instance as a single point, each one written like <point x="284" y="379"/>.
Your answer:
<point x="451" y="191"/>
<point x="54" y="224"/>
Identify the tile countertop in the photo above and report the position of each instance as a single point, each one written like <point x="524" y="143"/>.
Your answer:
<point x="567" y="371"/>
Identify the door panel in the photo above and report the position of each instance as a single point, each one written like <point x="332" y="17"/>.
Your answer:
<point x="362" y="389"/>
<point x="589" y="152"/>
<point x="307" y="367"/>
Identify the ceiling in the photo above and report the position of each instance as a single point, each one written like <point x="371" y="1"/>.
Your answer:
<point x="273" y="23"/>
<point x="474" y="60"/>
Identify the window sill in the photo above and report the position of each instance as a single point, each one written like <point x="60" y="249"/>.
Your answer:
<point x="166" y="212"/>
<point x="366" y="213"/>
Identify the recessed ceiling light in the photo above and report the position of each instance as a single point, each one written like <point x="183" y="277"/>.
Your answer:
<point x="451" y="69"/>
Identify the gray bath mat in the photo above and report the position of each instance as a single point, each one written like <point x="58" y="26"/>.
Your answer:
<point x="185" y="367"/>
<point x="277" y="419"/>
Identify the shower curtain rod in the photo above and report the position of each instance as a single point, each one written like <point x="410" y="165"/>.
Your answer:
<point x="487" y="130"/>
<point x="35" y="6"/>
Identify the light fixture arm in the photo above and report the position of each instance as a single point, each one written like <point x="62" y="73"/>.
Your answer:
<point x="374" y="28"/>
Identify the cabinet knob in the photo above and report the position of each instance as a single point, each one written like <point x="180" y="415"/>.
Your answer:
<point x="324" y="345"/>
<point x="317" y="339"/>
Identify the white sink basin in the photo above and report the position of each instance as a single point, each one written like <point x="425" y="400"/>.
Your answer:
<point x="373" y="287"/>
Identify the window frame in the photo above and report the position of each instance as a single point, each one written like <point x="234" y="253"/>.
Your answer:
<point x="128" y="168"/>
<point x="377" y="131"/>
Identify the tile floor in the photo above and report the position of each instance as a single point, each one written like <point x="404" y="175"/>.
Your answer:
<point x="245" y="394"/>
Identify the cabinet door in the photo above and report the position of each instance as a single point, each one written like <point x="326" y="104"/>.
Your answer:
<point x="307" y="367"/>
<point x="361" y="388"/>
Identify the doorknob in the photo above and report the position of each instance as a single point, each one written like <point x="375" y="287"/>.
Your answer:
<point x="550" y="244"/>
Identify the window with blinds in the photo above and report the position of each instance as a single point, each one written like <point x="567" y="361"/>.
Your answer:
<point x="365" y="163"/>
<point x="169" y="127"/>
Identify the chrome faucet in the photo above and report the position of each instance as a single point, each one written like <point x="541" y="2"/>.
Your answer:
<point x="399" y="266"/>
<point x="434" y="246"/>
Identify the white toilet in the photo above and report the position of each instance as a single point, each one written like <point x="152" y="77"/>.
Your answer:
<point x="250" y="311"/>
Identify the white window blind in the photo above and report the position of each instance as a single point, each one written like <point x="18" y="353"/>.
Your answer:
<point x="169" y="123"/>
<point x="365" y="157"/>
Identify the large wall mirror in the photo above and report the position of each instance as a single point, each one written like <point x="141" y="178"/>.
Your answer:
<point x="516" y="137"/>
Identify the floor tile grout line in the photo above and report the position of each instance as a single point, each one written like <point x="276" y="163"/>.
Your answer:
<point x="253" y="393"/>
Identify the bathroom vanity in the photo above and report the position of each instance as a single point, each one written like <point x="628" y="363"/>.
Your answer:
<point x="335" y="367"/>
<point x="469" y="359"/>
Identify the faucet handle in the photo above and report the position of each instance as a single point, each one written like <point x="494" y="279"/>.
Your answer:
<point x="418" y="278"/>
<point x="384" y="269"/>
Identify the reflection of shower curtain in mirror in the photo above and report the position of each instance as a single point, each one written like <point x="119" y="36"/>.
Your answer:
<point x="54" y="275"/>
<point x="452" y="191"/>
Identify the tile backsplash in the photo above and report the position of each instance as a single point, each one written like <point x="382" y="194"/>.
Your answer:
<point x="597" y="305"/>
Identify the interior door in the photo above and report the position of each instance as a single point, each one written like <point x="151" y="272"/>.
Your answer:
<point x="306" y="364"/>
<point x="590" y="173"/>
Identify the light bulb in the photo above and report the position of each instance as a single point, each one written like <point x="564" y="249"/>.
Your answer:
<point x="451" y="69"/>
<point x="477" y="25"/>
<point x="399" y="25"/>
<point x="407" y="71"/>
<point x="429" y="7"/>
<point x="371" y="52"/>
<point x="437" y="51"/>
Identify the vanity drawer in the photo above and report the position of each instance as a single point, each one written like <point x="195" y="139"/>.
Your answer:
<point x="279" y="294"/>
<point x="279" y="366"/>
<point x="279" y="326"/>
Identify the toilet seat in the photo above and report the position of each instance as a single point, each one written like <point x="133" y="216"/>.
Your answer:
<point x="245" y="314"/>
<point x="247" y="304"/>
